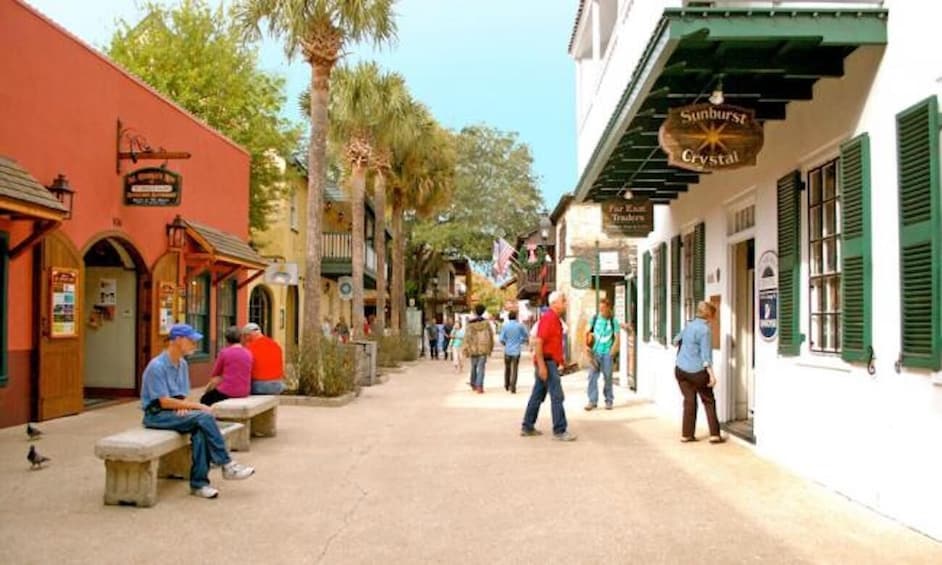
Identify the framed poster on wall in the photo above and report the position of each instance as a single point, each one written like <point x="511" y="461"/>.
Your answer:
<point x="165" y="299"/>
<point x="63" y="305"/>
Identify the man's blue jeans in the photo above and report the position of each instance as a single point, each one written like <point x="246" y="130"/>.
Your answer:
<point x="555" y="388"/>
<point x="604" y="362"/>
<point x="208" y="443"/>
<point x="477" y="370"/>
<point x="268" y="387"/>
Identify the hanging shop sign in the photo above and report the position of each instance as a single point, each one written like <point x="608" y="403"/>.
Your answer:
<point x="767" y="269"/>
<point x="152" y="186"/>
<point x="628" y="218"/>
<point x="345" y="285"/>
<point x="282" y="274"/>
<point x="63" y="315"/>
<point x="708" y="137"/>
<point x="581" y="274"/>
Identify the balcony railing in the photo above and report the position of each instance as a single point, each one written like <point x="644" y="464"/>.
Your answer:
<point x="338" y="247"/>
<point x="529" y="279"/>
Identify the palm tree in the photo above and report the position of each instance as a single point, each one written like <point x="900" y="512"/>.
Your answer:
<point x="319" y="29"/>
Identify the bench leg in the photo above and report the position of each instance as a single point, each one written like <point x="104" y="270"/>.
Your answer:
<point x="176" y="464"/>
<point x="265" y="424"/>
<point x="239" y="439"/>
<point x="131" y="482"/>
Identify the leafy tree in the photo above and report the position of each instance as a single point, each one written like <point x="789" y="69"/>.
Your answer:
<point x="485" y="292"/>
<point x="495" y="195"/>
<point x="197" y="57"/>
<point x="319" y="29"/>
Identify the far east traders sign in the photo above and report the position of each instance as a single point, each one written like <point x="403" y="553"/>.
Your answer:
<point x="707" y="137"/>
<point x="152" y="186"/>
<point x="628" y="218"/>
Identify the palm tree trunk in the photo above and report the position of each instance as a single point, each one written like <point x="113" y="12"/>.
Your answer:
<point x="316" y="178"/>
<point x="397" y="292"/>
<point x="358" y="190"/>
<point x="379" y="240"/>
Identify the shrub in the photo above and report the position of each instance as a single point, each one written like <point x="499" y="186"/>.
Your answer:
<point x="329" y="372"/>
<point x="387" y="350"/>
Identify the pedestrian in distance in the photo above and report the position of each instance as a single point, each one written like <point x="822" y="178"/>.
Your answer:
<point x="268" y="361"/>
<point x="164" y="387"/>
<point x="513" y="336"/>
<point x="447" y="351"/>
<point x="231" y="376"/>
<point x="431" y="334"/>
<point x="479" y="342"/>
<point x="694" y="372"/>
<point x="601" y="346"/>
<point x="456" y="345"/>
<point x="342" y="331"/>
<point x="548" y="357"/>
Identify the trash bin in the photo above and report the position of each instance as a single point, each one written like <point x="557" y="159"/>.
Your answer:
<point x="365" y="362"/>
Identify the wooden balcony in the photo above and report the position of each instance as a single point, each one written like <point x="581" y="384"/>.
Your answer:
<point x="529" y="281"/>
<point x="337" y="256"/>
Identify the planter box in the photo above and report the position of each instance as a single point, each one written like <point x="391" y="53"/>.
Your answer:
<point x="331" y="402"/>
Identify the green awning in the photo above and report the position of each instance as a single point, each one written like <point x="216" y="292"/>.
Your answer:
<point x="765" y="58"/>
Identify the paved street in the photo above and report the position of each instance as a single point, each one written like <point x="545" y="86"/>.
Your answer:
<point x="421" y="470"/>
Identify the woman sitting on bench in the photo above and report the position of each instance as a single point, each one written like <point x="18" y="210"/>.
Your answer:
<point x="232" y="373"/>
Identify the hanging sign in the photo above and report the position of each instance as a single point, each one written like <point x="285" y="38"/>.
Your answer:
<point x="152" y="186"/>
<point x="581" y="274"/>
<point x="345" y="284"/>
<point x="708" y="137"/>
<point x="63" y="315"/>
<point x="628" y="218"/>
<point x="767" y="270"/>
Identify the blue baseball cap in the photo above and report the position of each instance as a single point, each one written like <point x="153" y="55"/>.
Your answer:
<point x="185" y="330"/>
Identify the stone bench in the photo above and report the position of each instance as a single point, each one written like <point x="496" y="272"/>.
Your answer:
<point x="258" y="413"/>
<point x="136" y="458"/>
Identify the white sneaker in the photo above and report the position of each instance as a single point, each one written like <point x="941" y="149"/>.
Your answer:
<point x="233" y="471"/>
<point x="205" y="492"/>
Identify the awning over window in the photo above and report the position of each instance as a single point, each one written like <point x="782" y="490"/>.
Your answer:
<point x="22" y="196"/>
<point x="224" y="247"/>
<point x="765" y="58"/>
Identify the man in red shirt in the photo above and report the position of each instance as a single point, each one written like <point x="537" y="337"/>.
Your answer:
<point x="268" y="361"/>
<point x="548" y="356"/>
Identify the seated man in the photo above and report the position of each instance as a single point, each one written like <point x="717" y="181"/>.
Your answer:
<point x="232" y="373"/>
<point x="164" y="387"/>
<point x="268" y="362"/>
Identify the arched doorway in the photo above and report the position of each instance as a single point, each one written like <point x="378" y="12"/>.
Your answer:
<point x="260" y="308"/>
<point x="114" y="303"/>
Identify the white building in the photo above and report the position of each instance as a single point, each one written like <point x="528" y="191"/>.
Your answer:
<point x="841" y="213"/>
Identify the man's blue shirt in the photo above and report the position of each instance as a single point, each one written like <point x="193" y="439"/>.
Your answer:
<point x="513" y="335"/>
<point x="161" y="378"/>
<point x="696" y="349"/>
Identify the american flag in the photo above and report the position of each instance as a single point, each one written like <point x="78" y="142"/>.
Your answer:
<point x="503" y="252"/>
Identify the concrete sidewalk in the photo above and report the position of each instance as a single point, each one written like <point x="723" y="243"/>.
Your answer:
<point x="422" y="470"/>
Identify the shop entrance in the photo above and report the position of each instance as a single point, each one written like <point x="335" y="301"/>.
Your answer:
<point x="113" y="303"/>
<point x="742" y="340"/>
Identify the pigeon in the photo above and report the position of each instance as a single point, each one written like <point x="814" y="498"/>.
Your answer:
<point x="35" y="459"/>
<point x="33" y="432"/>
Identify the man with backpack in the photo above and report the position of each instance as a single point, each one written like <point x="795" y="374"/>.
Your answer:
<point x="478" y="342"/>
<point x="601" y="345"/>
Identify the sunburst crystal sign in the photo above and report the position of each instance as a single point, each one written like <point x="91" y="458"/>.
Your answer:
<point x="708" y="137"/>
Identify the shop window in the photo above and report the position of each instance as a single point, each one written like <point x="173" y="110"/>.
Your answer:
<point x="225" y="311"/>
<point x="824" y="257"/>
<point x="197" y="310"/>
<point x="647" y="296"/>
<point x="260" y="309"/>
<point x="676" y="250"/>
<point x="659" y="311"/>
<point x="4" y="298"/>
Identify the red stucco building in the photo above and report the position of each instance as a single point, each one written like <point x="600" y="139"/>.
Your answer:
<point x="89" y="287"/>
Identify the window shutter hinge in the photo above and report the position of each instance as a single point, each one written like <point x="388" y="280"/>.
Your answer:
<point x="801" y="185"/>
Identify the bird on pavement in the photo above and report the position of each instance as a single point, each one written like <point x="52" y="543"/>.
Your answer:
<point x="36" y="460"/>
<point x="33" y="432"/>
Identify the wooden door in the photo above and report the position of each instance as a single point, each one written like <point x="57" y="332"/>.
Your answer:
<point x="60" y="378"/>
<point x="164" y="305"/>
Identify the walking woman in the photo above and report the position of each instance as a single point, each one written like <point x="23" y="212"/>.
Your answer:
<point x="457" y="340"/>
<point x="694" y="372"/>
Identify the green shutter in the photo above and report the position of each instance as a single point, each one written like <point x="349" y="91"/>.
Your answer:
<point x="662" y="292"/>
<point x="789" y="262"/>
<point x="647" y="296"/>
<point x="675" y="285"/>
<point x="699" y="263"/>
<point x="4" y="297"/>
<point x="917" y="131"/>
<point x="856" y="263"/>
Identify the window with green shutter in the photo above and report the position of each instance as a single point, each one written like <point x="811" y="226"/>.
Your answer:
<point x="4" y="297"/>
<point x="675" y="285"/>
<point x="789" y="262"/>
<point x="856" y="263"/>
<point x="647" y="296"/>
<point x="699" y="264"/>
<point x="661" y="292"/>
<point x="920" y="231"/>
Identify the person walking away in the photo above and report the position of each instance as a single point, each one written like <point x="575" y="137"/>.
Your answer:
<point x="442" y="339"/>
<point x="232" y="372"/>
<point x="513" y="336"/>
<point x="448" y="328"/>
<point x="342" y="331"/>
<point x="548" y="356"/>
<point x="268" y="361"/>
<point x="694" y="372"/>
<point x="456" y="345"/>
<point x="479" y="341"/>
<point x="601" y="345"/>
<point x="164" y="387"/>
<point x="431" y="333"/>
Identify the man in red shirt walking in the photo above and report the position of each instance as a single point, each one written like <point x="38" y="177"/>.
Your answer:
<point x="548" y="356"/>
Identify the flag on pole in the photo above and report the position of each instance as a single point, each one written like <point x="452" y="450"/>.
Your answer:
<point x="504" y="252"/>
<point x="495" y="255"/>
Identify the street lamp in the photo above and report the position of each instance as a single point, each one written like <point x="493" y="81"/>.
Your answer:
<point x="63" y="192"/>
